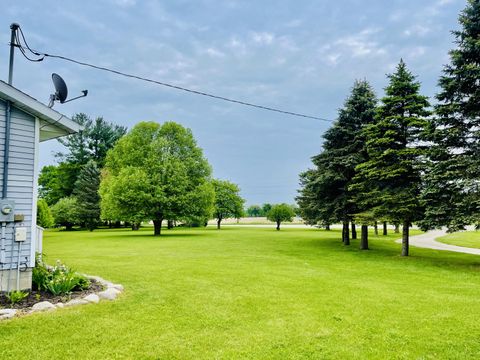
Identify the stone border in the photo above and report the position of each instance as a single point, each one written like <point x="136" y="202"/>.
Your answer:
<point x="110" y="292"/>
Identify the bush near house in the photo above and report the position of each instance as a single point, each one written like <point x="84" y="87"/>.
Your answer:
<point x="44" y="214"/>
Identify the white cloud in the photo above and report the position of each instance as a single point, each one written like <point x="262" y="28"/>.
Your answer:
<point x="263" y="38"/>
<point x="214" y="53"/>
<point x="124" y="3"/>
<point x="333" y="59"/>
<point x="361" y="44"/>
<point x="417" y="30"/>
<point x="294" y="23"/>
<point x="418" y="51"/>
<point x="444" y="2"/>
<point x="237" y="46"/>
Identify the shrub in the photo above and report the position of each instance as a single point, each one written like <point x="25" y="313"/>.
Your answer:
<point x="66" y="212"/>
<point x="16" y="296"/>
<point x="44" y="214"/>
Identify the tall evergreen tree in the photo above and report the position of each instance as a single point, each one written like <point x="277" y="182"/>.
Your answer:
<point x="88" y="198"/>
<point x="324" y="196"/>
<point x="93" y="142"/>
<point x="388" y="183"/>
<point x="452" y="190"/>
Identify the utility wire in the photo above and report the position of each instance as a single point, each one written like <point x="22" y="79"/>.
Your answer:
<point x="43" y="55"/>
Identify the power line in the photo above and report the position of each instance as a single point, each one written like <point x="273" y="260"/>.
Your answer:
<point x="43" y="55"/>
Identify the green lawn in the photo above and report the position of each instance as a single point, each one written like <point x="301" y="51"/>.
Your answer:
<point x="256" y="293"/>
<point x="469" y="239"/>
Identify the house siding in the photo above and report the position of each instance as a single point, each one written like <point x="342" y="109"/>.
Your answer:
<point x="21" y="180"/>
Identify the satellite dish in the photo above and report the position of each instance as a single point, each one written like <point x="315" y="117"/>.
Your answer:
<point x="61" y="91"/>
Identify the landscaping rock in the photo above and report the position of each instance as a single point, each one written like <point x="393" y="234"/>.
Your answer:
<point x="43" y="306"/>
<point x="100" y="280"/>
<point x="75" y="302"/>
<point x="96" y="278"/>
<point x="92" y="298"/>
<point x="59" y="305"/>
<point x="109" y="294"/>
<point x="119" y="287"/>
<point x="7" y="313"/>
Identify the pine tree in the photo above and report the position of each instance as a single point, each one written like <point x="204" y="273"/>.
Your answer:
<point x="452" y="192"/>
<point x="388" y="183"/>
<point x="324" y="196"/>
<point x="86" y="192"/>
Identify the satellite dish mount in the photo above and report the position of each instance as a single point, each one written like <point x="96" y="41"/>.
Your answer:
<point x="61" y="91"/>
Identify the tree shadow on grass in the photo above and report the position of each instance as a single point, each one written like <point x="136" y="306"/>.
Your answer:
<point x="386" y="249"/>
<point x="166" y="234"/>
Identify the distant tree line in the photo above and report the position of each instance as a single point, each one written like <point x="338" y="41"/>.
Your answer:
<point x="258" y="210"/>
<point x="399" y="160"/>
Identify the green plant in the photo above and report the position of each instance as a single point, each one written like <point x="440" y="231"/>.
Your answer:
<point x="58" y="280"/>
<point x="40" y="273"/>
<point x="82" y="282"/>
<point x="16" y="296"/>
<point x="62" y="284"/>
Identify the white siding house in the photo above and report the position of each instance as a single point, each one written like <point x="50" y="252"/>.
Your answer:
<point x="30" y="123"/>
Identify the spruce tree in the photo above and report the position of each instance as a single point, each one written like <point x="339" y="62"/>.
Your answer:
<point x="452" y="192"/>
<point x="88" y="198"/>
<point x="325" y="188"/>
<point x="388" y="183"/>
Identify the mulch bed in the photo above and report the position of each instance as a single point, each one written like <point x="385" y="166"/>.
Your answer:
<point x="36" y="296"/>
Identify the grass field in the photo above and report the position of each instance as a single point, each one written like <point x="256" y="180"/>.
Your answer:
<point x="256" y="293"/>
<point x="466" y="238"/>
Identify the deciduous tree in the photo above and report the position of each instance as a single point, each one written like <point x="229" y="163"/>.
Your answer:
<point x="65" y="212"/>
<point x="156" y="172"/>
<point x="280" y="213"/>
<point x="228" y="202"/>
<point x="254" y="211"/>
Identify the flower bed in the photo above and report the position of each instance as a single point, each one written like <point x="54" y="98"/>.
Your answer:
<point x="55" y="287"/>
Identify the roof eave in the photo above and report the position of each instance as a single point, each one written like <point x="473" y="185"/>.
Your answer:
<point x="32" y="106"/>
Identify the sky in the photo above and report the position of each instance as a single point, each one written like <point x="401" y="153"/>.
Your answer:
<point x="299" y="56"/>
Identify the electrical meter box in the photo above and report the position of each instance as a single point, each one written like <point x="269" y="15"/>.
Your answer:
<point x="7" y="208"/>
<point x="21" y="234"/>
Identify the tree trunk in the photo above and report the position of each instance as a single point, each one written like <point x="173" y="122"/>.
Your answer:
<point x="68" y="227"/>
<point x="117" y="224"/>
<point x="126" y="224"/>
<point x="135" y="226"/>
<point x="345" y="233"/>
<point x="169" y="224"/>
<point x="354" y="231"/>
<point x="157" y="227"/>
<point x="278" y="225"/>
<point x="327" y="227"/>
<point x="385" y="228"/>
<point x="397" y="228"/>
<point x="375" y="227"/>
<point x="364" y="238"/>
<point x="405" y="238"/>
<point x="219" y="220"/>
